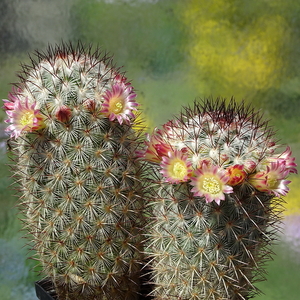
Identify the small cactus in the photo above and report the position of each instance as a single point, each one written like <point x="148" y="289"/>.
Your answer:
<point x="71" y="122"/>
<point x="217" y="202"/>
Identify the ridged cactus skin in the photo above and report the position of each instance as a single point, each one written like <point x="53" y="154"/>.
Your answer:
<point x="74" y="149"/>
<point x="217" y="202"/>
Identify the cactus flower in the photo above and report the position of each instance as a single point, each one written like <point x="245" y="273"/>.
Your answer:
<point x="119" y="103"/>
<point x="210" y="182"/>
<point x="272" y="180"/>
<point x="12" y="98"/>
<point x="286" y="157"/>
<point x="23" y="118"/>
<point x="176" y="167"/>
<point x="156" y="148"/>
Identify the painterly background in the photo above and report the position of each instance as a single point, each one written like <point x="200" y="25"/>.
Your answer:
<point x="173" y="51"/>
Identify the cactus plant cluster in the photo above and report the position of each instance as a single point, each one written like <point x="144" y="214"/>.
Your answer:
<point x="217" y="201"/>
<point x="71" y="122"/>
<point x="199" y="200"/>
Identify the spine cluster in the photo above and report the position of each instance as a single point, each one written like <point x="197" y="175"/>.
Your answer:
<point x="71" y="120"/>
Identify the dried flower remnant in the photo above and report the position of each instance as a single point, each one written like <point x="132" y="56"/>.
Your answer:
<point x="63" y="114"/>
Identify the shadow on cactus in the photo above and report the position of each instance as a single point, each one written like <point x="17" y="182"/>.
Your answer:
<point x="219" y="178"/>
<point x="70" y="121"/>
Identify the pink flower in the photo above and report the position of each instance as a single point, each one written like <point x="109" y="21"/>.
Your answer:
<point x="12" y="98"/>
<point x="236" y="174"/>
<point x="175" y="167"/>
<point x="8" y="105"/>
<point x="210" y="182"/>
<point x="285" y="158"/>
<point x="156" y="147"/>
<point x="290" y="164"/>
<point x="23" y="118"/>
<point x="272" y="181"/>
<point x="119" y="103"/>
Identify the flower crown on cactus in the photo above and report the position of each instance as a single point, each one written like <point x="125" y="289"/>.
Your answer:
<point x="216" y="147"/>
<point x="34" y="109"/>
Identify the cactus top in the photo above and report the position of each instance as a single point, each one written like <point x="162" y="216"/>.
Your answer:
<point x="215" y="147"/>
<point x="61" y="84"/>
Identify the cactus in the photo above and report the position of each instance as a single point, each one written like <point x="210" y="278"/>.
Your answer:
<point x="71" y="119"/>
<point x="217" y="202"/>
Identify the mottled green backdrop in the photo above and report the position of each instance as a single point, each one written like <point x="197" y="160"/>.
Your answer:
<point x="173" y="51"/>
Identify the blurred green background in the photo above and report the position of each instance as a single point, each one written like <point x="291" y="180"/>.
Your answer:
<point x="173" y="52"/>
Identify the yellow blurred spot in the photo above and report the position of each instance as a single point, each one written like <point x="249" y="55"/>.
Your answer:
<point x="293" y="197"/>
<point x="237" y="56"/>
<point x="142" y="122"/>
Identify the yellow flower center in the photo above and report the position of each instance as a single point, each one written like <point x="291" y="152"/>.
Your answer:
<point x="236" y="173"/>
<point x="211" y="185"/>
<point x="27" y="119"/>
<point x="272" y="183"/>
<point x="116" y="105"/>
<point x="179" y="170"/>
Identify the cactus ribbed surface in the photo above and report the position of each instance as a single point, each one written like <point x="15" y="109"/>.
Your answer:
<point x="217" y="202"/>
<point x="71" y="123"/>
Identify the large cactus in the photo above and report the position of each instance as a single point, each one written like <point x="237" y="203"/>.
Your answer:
<point x="217" y="203"/>
<point x="71" y="124"/>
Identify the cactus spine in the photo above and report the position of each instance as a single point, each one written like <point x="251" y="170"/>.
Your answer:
<point x="217" y="202"/>
<point x="71" y="124"/>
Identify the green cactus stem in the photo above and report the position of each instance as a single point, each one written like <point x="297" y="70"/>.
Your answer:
<point x="217" y="202"/>
<point x="71" y="122"/>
